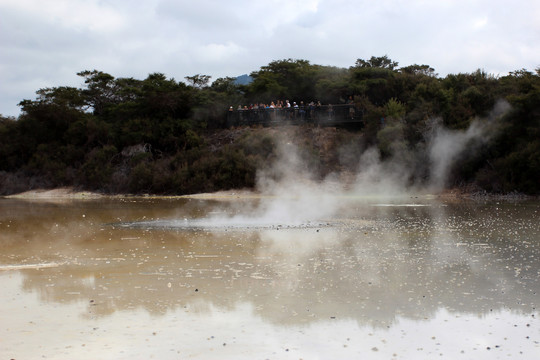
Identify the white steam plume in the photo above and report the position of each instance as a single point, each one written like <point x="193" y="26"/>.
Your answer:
<point x="291" y="193"/>
<point x="377" y="178"/>
<point x="447" y="146"/>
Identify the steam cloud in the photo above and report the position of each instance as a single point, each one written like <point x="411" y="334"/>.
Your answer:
<point x="292" y="194"/>
<point x="446" y="146"/>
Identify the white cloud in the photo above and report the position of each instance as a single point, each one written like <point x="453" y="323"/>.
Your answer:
<point x="480" y="23"/>
<point x="90" y="15"/>
<point x="219" y="52"/>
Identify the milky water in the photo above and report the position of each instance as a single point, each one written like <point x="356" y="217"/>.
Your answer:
<point x="414" y="278"/>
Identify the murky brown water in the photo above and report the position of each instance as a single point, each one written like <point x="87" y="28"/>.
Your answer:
<point x="156" y="278"/>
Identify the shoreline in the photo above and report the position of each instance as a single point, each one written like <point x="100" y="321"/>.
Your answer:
<point x="67" y="193"/>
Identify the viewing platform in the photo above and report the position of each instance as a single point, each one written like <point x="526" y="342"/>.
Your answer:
<point x="342" y="115"/>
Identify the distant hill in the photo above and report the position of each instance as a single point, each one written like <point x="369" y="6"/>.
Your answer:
<point x="243" y="80"/>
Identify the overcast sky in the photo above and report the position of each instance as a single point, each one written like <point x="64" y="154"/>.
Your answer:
<point x="44" y="43"/>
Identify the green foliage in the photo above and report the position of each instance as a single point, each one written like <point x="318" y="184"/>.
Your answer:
<point x="394" y="109"/>
<point x="80" y="136"/>
<point x="374" y="83"/>
<point x="382" y="62"/>
<point x="198" y="81"/>
<point x="391" y="140"/>
<point x="290" y="79"/>
<point x="520" y="170"/>
<point x="416" y="70"/>
<point x="469" y="96"/>
<point x="141" y="178"/>
<point x="97" y="170"/>
<point x="100" y="90"/>
<point x="10" y="145"/>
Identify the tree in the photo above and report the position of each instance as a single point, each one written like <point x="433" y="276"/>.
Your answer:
<point x="284" y="79"/>
<point x="375" y="83"/>
<point x="377" y="62"/>
<point x="225" y="85"/>
<point x="76" y="136"/>
<point x="419" y="70"/>
<point x="198" y="81"/>
<point x="100" y="91"/>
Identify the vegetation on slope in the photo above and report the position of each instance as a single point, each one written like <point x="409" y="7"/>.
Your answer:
<point x="162" y="136"/>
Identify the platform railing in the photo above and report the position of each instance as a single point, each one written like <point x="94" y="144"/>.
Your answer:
<point x="323" y="115"/>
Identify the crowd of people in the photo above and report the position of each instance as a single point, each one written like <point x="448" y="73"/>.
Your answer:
<point x="279" y="104"/>
<point x="285" y="110"/>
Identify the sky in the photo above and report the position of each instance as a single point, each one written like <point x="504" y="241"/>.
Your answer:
<point x="45" y="43"/>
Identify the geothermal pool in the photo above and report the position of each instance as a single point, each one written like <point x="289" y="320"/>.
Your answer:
<point x="239" y="278"/>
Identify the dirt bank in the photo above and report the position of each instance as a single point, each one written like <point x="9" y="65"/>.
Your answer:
<point x="60" y="193"/>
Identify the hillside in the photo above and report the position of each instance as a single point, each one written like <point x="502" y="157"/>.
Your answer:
<point x="162" y="136"/>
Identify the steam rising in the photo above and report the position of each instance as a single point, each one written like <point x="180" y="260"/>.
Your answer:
<point x="290" y="191"/>
<point x="293" y="195"/>
<point x="446" y="146"/>
<point x="381" y="179"/>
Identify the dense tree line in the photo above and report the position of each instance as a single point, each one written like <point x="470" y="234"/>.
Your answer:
<point x="124" y="135"/>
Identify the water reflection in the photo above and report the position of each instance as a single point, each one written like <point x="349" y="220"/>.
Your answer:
<point x="378" y="267"/>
